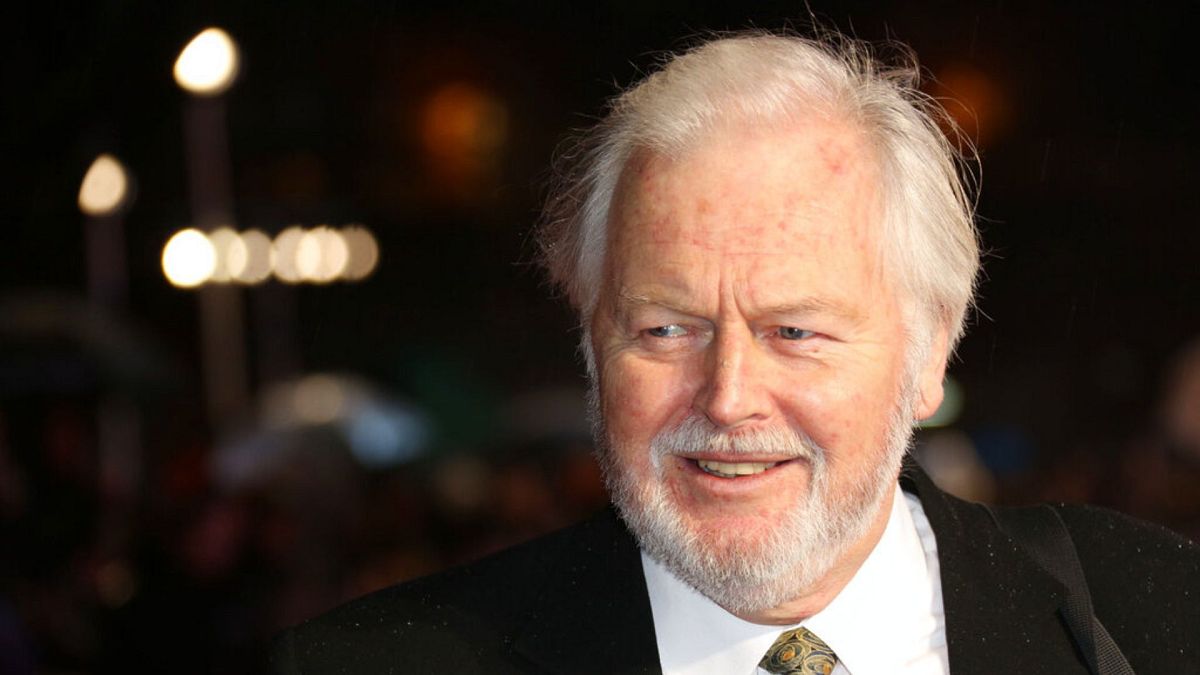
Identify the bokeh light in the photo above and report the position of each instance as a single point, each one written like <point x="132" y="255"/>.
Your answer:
<point x="362" y="250"/>
<point x="231" y="254"/>
<point x="208" y="64"/>
<point x="257" y="265"/>
<point x="284" y="253"/>
<point x="321" y="255"/>
<point x="319" y="399"/>
<point x="975" y="100"/>
<point x="189" y="258"/>
<point x="104" y="188"/>
<point x="463" y="128"/>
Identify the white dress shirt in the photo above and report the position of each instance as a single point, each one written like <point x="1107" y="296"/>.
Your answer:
<point x="888" y="620"/>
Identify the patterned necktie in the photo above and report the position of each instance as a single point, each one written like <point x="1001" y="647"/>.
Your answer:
<point x="799" y="652"/>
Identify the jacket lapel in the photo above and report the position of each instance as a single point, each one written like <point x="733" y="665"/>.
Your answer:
<point x="593" y="612"/>
<point x="1001" y="607"/>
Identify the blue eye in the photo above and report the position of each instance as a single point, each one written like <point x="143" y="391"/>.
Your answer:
<point x="793" y="333"/>
<point x="668" y="331"/>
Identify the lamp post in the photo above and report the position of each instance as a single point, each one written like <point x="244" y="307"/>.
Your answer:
<point x="105" y="193"/>
<point x="206" y="68"/>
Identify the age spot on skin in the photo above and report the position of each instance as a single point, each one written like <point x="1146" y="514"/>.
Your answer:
<point x="834" y="157"/>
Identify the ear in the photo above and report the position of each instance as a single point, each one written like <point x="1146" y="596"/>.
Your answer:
<point x="932" y="374"/>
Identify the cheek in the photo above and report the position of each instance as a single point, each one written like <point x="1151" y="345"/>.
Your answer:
<point x="840" y="416"/>
<point x="640" y="399"/>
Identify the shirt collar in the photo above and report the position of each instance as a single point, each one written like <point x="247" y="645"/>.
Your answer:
<point x="889" y="615"/>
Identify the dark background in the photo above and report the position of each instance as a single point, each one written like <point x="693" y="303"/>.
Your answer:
<point x="1085" y="120"/>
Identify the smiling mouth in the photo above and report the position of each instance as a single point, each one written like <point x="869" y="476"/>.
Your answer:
<point x="733" y="469"/>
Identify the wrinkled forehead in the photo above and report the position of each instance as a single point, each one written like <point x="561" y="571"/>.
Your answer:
<point x="749" y="189"/>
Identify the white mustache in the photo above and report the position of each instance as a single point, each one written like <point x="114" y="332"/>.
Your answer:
<point x="697" y="434"/>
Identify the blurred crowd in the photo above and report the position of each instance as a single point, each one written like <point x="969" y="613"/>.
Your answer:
<point x="198" y="572"/>
<point x="188" y="556"/>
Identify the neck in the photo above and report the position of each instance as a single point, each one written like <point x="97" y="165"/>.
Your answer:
<point x="819" y="595"/>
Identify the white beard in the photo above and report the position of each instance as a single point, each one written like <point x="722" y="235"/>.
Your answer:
<point x="743" y="571"/>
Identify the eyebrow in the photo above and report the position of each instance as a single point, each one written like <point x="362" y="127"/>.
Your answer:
<point x="627" y="300"/>
<point x="640" y="299"/>
<point x="814" y="306"/>
<point x="805" y="306"/>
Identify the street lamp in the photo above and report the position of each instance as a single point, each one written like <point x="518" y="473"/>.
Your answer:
<point x="206" y="68"/>
<point x="189" y="258"/>
<point x="104" y="188"/>
<point x="208" y="64"/>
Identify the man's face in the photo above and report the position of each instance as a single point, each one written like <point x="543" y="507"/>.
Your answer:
<point x="751" y="352"/>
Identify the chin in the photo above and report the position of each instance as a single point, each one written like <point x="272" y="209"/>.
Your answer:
<point x="743" y="569"/>
<point x="743" y="564"/>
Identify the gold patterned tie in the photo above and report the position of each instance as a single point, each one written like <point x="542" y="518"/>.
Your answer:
<point x="799" y="652"/>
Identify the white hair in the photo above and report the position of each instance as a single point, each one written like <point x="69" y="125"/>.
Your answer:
<point x="929" y="238"/>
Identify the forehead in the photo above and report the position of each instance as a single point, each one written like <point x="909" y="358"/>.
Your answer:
<point x="804" y="197"/>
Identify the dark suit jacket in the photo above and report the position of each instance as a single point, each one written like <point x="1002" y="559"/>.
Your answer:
<point x="576" y="602"/>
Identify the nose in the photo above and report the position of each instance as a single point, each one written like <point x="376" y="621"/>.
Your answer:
<point x="734" y="392"/>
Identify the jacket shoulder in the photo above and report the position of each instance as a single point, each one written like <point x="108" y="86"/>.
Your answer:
<point x="1142" y="578"/>
<point x="464" y="618"/>
<point x="1144" y="581"/>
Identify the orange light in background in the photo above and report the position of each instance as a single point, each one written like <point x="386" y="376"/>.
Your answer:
<point x="189" y="258"/>
<point x="104" y="188"/>
<point x="976" y="102"/>
<point x="463" y="130"/>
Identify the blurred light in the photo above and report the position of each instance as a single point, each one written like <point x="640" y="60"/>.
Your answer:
<point x="230" y="253"/>
<point x="208" y="64"/>
<point x="975" y="101"/>
<point x="1005" y="450"/>
<point x="463" y="129"/>
<point x="378" y="431"/>
<point x="283" y="255"/>
<point x="189" y="258"/>
<point x="463" y="118"/>
<point x="257" y="264"/>
<point x="1180" y="412"/>
<point x="953" y="463"/>
<point x="951" y="407"/>
<point x="321" y="255"/>
<point x="308" y="256"/>
<point x="335" y="254"/>
<point x="104" y="187"/>
<point x="115" y="583"/>
<point x="362" y="252"/>
<point x="383" y="435"/>
<point x="461" y="484"/>
<point x="318" y="255"/>
<point x="319" y="399"/>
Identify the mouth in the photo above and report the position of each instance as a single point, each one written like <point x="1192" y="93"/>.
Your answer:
<point x="734" y="469"/>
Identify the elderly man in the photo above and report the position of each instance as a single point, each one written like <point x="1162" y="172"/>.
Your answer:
<point x="772" y="253"/>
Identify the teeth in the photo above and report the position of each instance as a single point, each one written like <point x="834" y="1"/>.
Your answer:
<point x="734" y="469"/>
